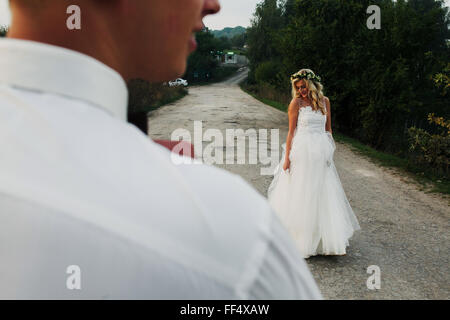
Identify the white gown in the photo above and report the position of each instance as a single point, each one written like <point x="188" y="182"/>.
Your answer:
<point x="309" y="198"/>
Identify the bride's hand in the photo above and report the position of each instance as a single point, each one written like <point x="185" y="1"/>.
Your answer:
<point x="287" y="164"/>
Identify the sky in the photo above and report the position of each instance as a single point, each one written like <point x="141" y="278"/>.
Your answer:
<point x="234" y="13"/>
<point x="4" y="13"/>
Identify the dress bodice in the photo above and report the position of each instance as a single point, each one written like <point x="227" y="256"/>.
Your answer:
<point x="310" y="120"/>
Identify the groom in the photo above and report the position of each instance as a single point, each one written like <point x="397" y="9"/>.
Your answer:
<point x="90" y="208"/>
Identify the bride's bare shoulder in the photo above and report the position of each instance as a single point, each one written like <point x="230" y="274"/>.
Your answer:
<point x="294" y="105"/>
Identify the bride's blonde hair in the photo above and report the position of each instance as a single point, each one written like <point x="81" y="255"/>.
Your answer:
<point x="315" y="88"/>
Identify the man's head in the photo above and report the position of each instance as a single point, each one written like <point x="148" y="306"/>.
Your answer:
<point x="148" y="39"/>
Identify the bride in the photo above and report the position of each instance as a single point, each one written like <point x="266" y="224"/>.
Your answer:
<point x="306" y="191"/>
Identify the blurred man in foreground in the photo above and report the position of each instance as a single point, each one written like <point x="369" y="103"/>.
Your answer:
<point x="90" y="208"/>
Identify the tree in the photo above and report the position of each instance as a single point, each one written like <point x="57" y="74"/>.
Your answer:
<point x="380" y="82"/>
<point x="203" y="62"/>
<point x="267" y="21"/>
<point x="239" y="40"/>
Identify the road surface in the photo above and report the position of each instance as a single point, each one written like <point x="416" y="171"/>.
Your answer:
<point x="404" y="231"/>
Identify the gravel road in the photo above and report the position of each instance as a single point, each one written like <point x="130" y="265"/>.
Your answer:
<point x="404" y="231"/>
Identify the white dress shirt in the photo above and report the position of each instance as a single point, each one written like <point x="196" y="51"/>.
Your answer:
<point x="79" y="186"/>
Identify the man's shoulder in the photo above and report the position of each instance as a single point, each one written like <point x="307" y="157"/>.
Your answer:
<point x="238" y="218"/>
<point x="221" y="188"/>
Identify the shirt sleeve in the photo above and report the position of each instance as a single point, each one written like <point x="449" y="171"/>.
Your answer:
<point x="283" y="274"/>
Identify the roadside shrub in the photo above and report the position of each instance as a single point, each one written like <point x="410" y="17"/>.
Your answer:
<point x="268" y="91"/>
<point x="431" y="150"/>
<point x="267" y="72"/>
<point x="145" y="97"/>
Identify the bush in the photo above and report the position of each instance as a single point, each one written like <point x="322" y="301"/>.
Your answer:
<point x="221" y="73"/>
<point x="145" y="97"/>
<point x="267" y="72"/>
<point x="268" y="91"/>
<point x="431" y="150"/>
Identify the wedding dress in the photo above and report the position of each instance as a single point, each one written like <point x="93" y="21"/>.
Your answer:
<point x="309" y="198"/>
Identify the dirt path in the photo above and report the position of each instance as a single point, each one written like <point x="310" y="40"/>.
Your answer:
<point x="404" y="231"/>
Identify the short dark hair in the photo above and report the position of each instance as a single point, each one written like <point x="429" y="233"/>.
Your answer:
<point x="3" y="31"/>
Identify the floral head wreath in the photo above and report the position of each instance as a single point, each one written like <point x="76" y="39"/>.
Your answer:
<point x="305" y="75"/>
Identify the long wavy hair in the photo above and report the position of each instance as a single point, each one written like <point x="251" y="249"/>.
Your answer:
<point x="315" y="91"/>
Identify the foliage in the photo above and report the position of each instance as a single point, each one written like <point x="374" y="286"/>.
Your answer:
<point x="203" y="60"/>
<point x="203" y="64"/>
<point x="229" y="32"/>
<point x="271" y="98"/>
<point x="239" y="40"/>
<point x="433" y="150"/>
<point x="234" y="38"/>
<point x="440" y="121"/>
<point x="145" y="97"/>
<point x="380" y="82"/>
<point x="442" y="80"/>
<point x="430" y="150"/>
<point x="261" y="36"/>
<point x="268" y="91"/>
<point x="265" y="72"/>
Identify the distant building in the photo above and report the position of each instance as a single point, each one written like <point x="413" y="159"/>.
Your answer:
<point x="230" y="58"/>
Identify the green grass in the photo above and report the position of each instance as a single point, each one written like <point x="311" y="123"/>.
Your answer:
<point x="427" y="180"/>
<point x="170" y="99"/>
<point x="145" y="97"/>
<point x="274" y="104"/>
<point x="382" y="158"/>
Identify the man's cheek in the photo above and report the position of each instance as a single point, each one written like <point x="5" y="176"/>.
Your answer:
<point x="172" y="24"/>
<point x="195" y="7"/>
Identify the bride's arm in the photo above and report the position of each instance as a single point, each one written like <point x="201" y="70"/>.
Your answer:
<point x="328" y="123"/>
<point x="293" y="116"/>
<point x="328" y="128"/>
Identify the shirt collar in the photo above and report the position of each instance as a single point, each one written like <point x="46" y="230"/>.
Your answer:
<point x="51" y="69"/>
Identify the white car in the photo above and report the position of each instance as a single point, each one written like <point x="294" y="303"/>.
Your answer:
<point x="178" y="82"/>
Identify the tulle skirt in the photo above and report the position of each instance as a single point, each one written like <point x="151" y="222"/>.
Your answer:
<point x="309" y="198"/>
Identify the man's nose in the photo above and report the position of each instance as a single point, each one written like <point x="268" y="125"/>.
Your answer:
<point x="211" y="7"/>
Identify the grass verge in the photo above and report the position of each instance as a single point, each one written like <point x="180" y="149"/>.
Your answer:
<point x="274" y="104"/>
<point x="427" y="181"/>
<point x="145" y="97"/>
